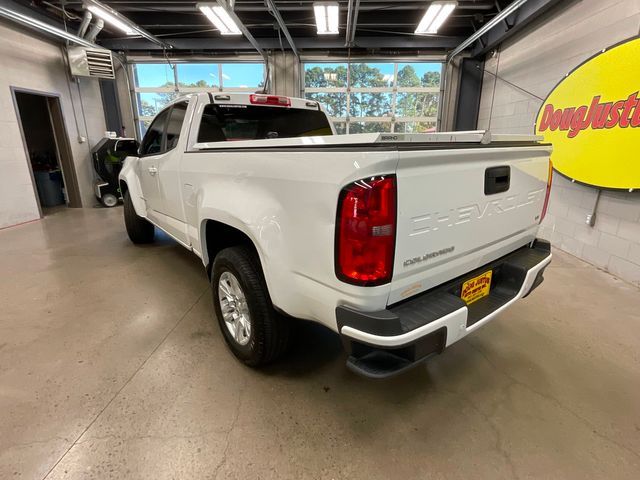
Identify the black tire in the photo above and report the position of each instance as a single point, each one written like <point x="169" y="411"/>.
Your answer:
<point x="138" y="229"/>
<point x="270" y="331"/>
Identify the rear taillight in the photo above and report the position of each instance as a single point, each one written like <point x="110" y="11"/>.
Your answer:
<point x="366" y="231"/>
<point x="270" y="100"/>
<point x="546" y="197"/>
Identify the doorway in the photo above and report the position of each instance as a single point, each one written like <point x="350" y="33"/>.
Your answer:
<point x="48" y="150"/>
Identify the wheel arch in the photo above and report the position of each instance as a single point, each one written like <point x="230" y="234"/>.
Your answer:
<point x="129" y="182"/>
<point x="123" y="187"/>
<point x="216" y="236"/>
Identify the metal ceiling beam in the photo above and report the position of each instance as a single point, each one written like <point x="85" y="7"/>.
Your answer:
<point x="387" y="26"/>
<point x="313" y="43"/>
<point x="245" y="31"/>
<point x="488" y="26"/>
<point x="272" y="6"/>
<point x="166" y="20"/>
<point x="258" y="5"/>
<point x="529" y="12"/>
<point x="250" y="38"/>
<point x="43" y="27"/>
<point x="352" y="22"/>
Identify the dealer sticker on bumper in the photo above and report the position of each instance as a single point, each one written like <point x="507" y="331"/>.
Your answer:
<point x="476" y="288"/>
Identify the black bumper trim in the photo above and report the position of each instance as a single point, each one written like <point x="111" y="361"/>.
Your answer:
<point x="509" y="273"/>
<point x="375" y="362"/>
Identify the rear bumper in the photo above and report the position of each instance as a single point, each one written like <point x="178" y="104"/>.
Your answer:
<point x="384" y="343"/>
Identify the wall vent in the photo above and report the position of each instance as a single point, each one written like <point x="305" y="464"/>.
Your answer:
<point x="90" y="62"/>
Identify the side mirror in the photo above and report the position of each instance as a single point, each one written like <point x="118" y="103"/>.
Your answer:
<point x="128" y="147"/>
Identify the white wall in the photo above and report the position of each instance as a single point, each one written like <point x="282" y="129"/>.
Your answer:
<point x="33" y="63"/>
<point x="537" y="60"/>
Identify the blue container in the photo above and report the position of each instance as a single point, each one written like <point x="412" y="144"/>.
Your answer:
<point x="49" y="186"/>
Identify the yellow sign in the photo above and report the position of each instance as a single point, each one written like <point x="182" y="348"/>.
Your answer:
<point x="592" y="119"/>
<point x="476" y="288"/>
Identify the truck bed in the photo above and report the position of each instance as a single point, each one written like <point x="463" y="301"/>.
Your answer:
<point x="447" y="222"/>
<point x="362" y="140"/>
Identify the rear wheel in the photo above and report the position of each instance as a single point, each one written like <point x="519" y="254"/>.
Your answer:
<point x="253" y="330"/>
<point x="138" y="228"/>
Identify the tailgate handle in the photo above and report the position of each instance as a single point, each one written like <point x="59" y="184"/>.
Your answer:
<point x="497" y="179"/>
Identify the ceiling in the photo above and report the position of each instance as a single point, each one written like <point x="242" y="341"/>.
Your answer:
<point x="383" y="27"/>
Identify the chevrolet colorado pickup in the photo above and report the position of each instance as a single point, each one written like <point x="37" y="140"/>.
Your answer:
<point x="400" y="243"/>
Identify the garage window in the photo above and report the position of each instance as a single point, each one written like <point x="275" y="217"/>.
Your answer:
<point x="378" y="96"/>
<point x="157" y="84"/>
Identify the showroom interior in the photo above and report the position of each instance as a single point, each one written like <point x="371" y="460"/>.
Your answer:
<point x="112" y="364"/>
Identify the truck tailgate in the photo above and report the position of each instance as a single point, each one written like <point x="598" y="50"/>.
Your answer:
<point x="460" y="207"/>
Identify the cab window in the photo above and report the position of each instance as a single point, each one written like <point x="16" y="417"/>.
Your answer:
<point x="225" y="123"/>
<point x="176" y="119"/>
<point x="153" y="139"/>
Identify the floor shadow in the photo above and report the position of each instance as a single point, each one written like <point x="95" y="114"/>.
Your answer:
<point x="313" y="348"/>
<point x="160" y="239"/>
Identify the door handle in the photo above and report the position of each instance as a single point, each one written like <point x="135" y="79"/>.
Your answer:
<point x="152" y="170"/>
<point x="497" y="179"/>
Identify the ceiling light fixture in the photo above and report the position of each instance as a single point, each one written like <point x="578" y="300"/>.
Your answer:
<point x="327" y="17"/>
<point x="435" y="16"/>
<point x="111" y="19"/>
<point x="121" y="22"/>
<point x="220" y="18"/>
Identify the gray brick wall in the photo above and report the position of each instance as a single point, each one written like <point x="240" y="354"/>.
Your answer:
<point x="536" y="60"/>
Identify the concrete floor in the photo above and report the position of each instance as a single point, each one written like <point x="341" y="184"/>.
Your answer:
<point x="111" y="366"/>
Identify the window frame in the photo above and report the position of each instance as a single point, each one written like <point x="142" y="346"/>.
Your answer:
<point x="393" y="89"/>
<point x="177" y="89"/>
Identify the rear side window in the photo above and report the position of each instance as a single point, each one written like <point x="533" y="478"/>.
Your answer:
<point x="175" y="124"/>
<point x="152" y="142"/>
<point x="222" y="123"/>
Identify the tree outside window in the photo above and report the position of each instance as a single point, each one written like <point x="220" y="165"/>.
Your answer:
<point x="376" y="97"/>
<point x="155" y="83"/>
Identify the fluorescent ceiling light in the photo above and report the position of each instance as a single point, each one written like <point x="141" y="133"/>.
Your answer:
<point x="220" y="18"/>
<point x="327" y="16"/>
<point x="435" y="16"/>
<point x="112" y="19"/>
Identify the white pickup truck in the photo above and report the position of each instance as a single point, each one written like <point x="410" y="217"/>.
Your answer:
<point x="400" y="243"/>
